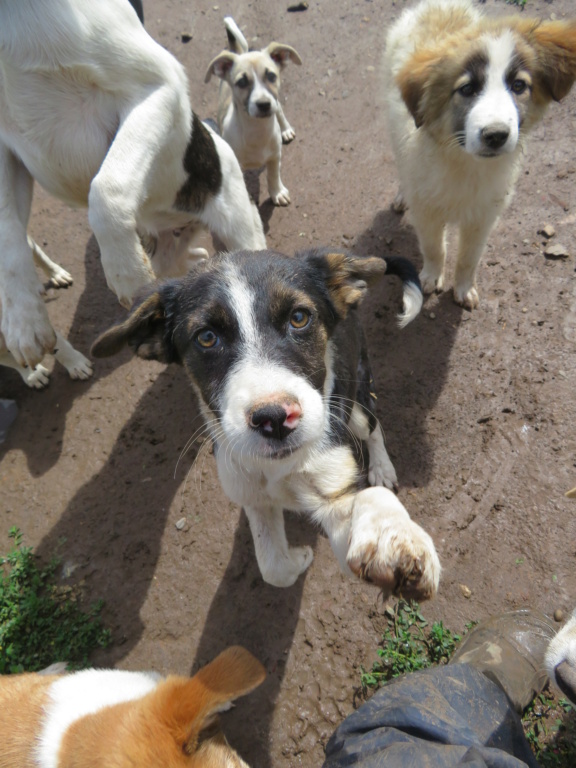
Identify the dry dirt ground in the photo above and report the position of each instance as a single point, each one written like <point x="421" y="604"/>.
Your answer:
<point x="478" y="408"/>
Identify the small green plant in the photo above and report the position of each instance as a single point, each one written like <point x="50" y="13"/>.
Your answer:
<point x="520" y="3"/>
<point x="41" y="622"/>
<point x="550" y="727"/>
<point x="408" y="644"/>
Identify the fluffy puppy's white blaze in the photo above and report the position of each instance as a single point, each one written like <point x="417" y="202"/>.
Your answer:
<point x="81" y="694"/>
<point x="496" y="105"/>
<point x="253" y="381"/>
<point x="241" y="298"/>
<point x="261" y="94"/>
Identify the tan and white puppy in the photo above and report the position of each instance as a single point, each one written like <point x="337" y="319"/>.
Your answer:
<point x="250" y="116"/>
<point x="78" y="366"/>
<point x="99" y="114"/>
<point x="463" y="91"/>
<point x="99" y="718"/>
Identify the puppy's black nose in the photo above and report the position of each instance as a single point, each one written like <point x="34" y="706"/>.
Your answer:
<point x="273" y="421"/>
<point x="495" y="136"/>
<point x="264" y="107"/>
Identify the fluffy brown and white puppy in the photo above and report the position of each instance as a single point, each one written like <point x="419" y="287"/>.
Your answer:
<point x="99" y="718"/>
<point x="250" y="116"/>
<point x="99" y="114"/>
<point x="463" y="91"/>
<point x="274" y="350"/>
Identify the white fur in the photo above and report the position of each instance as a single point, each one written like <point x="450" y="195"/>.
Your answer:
<point x="256" y="138"/>
<point x="562" y="649"/>
<point x="441" y="183"/>
<point x="99" y="114"/>
<point x="83" y="693"/>
<point x="314" y="476"/>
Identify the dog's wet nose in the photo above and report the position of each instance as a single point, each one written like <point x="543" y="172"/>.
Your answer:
<point x="275" y="420"/>
<point x="495" y="136"/>
<point x="264" y="107"/>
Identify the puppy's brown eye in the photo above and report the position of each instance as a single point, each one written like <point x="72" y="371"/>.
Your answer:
<point x="466" y="90"/>
<point x="519" y="86"/>
<point x="299" y="319"/>
<point x="271" y="77"/>
<point x="207" y="339"/>
<point x="243" y="82"/>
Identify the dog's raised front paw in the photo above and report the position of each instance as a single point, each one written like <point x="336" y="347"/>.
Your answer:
<point x="468" y="299"/>
<point x="288" y="135"/>
<point x="284" y="571"/>
<point x="281" y="198"/>
<point x="388" y="549"/>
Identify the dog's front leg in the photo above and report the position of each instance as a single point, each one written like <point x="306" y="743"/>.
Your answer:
<point x="280" y="564"/>
<point x="431" y="237"/>
<point x="287" y="132"/>
<point x="278" y="192"/>
<point x="472" y="242"/>
<point x="25" y="324"/>
<point x="373" y="536"/>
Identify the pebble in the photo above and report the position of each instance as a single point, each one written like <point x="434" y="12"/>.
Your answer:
<point x="432" y="316"/>
<point x="466" y="591"/>
<point x="548" y="231"/>
<point x="556" y="251"/>
<point x="558" y="615"/>
<point x="181" y="523"/>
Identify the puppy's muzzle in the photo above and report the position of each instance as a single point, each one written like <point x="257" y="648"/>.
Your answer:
<point x="264" y="108"/>
<point x="275" y="420"/>
<point x="495" y="136"/>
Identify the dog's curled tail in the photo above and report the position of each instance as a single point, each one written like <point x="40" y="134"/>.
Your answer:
<point x="237" y="43"/>
<point x="412" y="298"/>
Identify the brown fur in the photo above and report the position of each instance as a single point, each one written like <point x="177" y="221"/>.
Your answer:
<point x="548" y="50"/>
<point x="174" y="726"/>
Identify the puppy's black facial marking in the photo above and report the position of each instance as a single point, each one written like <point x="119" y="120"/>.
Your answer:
<point x="202" y="164"/>
<point x="467" y="88"/>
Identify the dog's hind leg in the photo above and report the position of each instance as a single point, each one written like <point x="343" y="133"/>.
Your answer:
<point x="59" y="277"/>
<point x="365" y="426"/>
<point x="230" y="214"/>
<point x="35" y="378"/>
<point x="25" y="325"/>
<point x="78" y="366"/>
<point x="280" y="564"/>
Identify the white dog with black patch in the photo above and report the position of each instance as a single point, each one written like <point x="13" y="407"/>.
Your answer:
<point x="463" y="91"/>
<point x="274" y="349"/>
<point x="99" y="114"/>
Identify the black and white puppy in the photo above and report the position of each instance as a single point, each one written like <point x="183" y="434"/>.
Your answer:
<point x="275" y="352"/>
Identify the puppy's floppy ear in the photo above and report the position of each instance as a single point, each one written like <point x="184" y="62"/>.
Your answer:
<point x="282" y="54"/>
<point x="413" y="82"/>
<point x="221" y="65"/>
<point x="145" y="329"/>
<point x="347" y="276"/>
<point x="189" y="707"/>
<point x="554" y="43"/>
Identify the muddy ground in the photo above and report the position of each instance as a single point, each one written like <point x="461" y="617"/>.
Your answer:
<point x="478" y="408"/>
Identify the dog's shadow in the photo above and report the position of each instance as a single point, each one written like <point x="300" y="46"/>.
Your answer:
<point x="409" y="365"/>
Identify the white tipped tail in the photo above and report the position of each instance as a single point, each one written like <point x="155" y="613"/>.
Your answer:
<point x="412" y="304"/>
<point x="236" y="40"/>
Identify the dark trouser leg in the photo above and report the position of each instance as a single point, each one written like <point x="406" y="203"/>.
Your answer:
<point x="438" y="718"/>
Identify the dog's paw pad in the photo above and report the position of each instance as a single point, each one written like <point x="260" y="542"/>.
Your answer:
<point x="468" y="299"/>
<point x="285" y="571"/>
<point x="60" y="278"/>
<point x="282" y="198"/>
<point x="431" y="282"/>
<point x="37" y="378"/>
